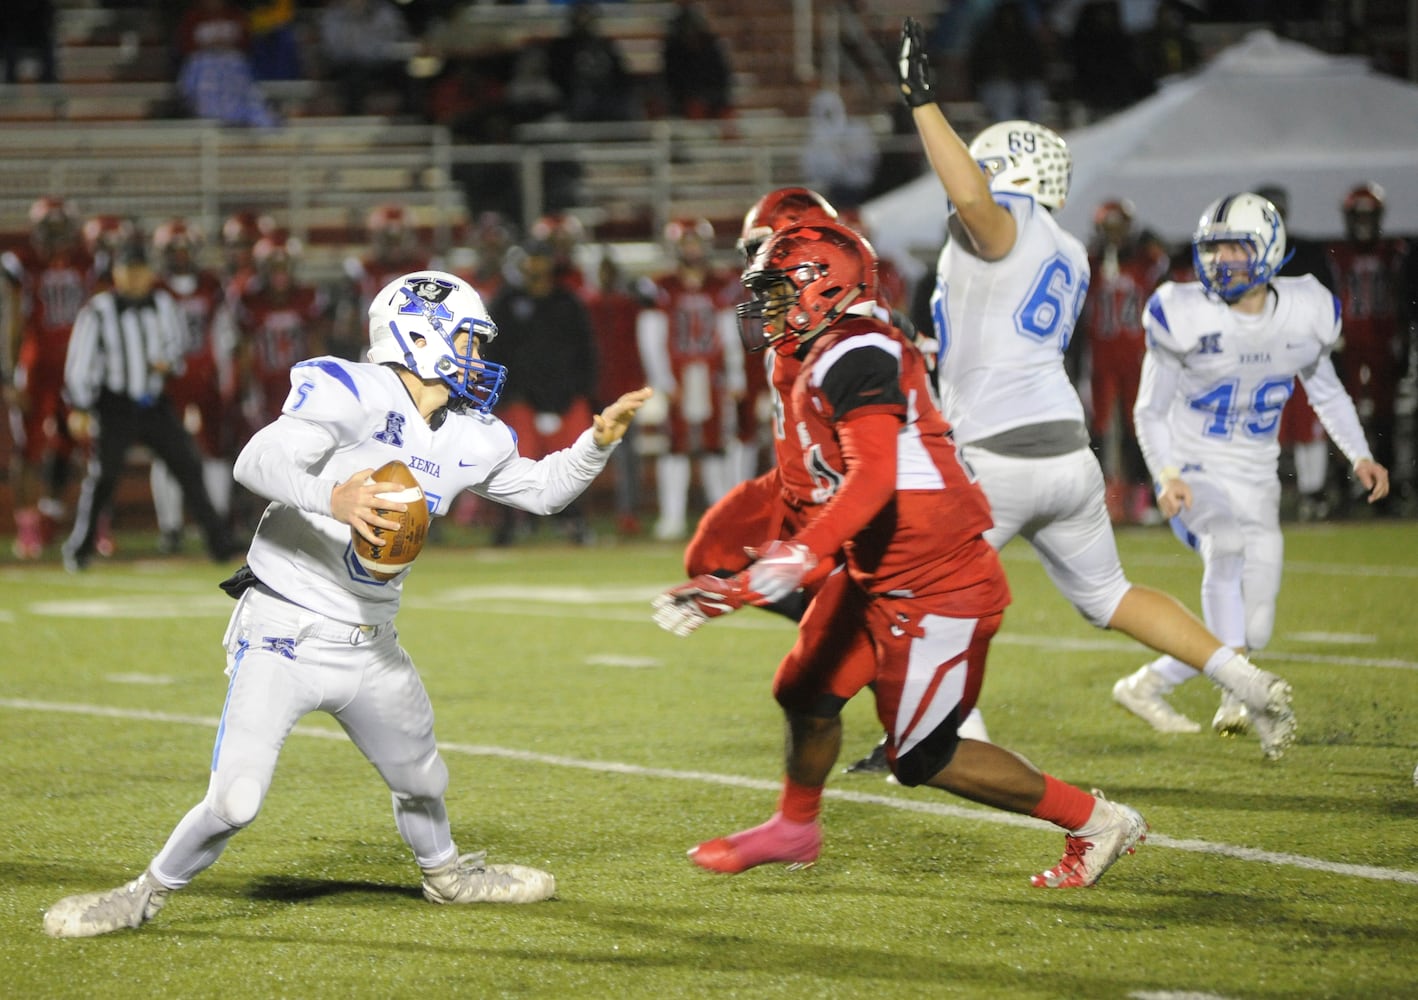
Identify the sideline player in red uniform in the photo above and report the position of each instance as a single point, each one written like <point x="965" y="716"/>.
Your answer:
<point x="52" y="278"/>
<point x="203" y="392"/>
<point x="1371" y="281"/>
<point x="870" y="464"/>
<point x="692" y="355"/>
<point x="1126" y="266"/>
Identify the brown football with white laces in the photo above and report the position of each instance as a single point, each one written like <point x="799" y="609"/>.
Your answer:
<point x="398" y="548"/>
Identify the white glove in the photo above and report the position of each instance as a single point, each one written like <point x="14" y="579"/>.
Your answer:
<point x="779" y="571"/>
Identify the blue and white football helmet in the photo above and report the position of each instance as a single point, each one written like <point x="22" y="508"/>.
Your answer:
<point x="1254" y="223"/>
<point x="414" y="321"/>
<point x="1025" y="157"/>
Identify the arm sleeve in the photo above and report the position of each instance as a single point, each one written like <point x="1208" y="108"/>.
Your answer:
<point x="547" y="485"/>
<point x="1335" y="409"/>
<point x="1161" y="374"/>
<point x="868" y="444"/>
<point x="276" y="464"/>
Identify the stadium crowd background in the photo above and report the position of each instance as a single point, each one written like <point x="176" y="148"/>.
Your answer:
<point x="352" y="136"/>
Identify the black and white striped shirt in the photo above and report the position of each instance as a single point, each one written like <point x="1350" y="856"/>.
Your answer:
<point x="127" y="346"/>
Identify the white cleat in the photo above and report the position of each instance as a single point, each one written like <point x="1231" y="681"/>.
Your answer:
<point x="1141" y="694"/>
<point x="467" y="879"/>
<point x="1232" y="718"/>
<point x="1086" y="858"/>
<point x="1275" y="724"/>
<point x="95" y="913"/>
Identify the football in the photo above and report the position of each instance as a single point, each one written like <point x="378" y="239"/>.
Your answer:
<point x="396" y="549"/>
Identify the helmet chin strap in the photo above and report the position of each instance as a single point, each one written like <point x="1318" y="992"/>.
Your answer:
<point x="833" y="314"/>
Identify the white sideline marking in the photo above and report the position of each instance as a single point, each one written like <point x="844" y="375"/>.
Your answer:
<point x="1337" y="638"/>
<point x="154" y="679"/>
<point x="1154" y="839"/>
<point x="629" y="662"/>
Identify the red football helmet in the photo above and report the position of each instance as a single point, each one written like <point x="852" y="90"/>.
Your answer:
<point x="177" y="242"/>
<point x="243" y="229"/>
<point x="53" y="225"/>
<point x="1364" y="212"/>
<point x="803" y="279"/>
<point x="106" y="232"/>
<point x="691" y="239"/>
<point x="777" y="210"/>
<point x="1364" y="198"/>
<point x="1114" y="212"/>
<point x="275" y="255"/>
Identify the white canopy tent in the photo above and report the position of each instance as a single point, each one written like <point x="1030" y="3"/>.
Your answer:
<point x="1265" y="111"/>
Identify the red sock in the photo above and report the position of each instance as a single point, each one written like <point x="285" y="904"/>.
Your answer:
<point x="1063" y="804"/>
<point x="800" y="803"/>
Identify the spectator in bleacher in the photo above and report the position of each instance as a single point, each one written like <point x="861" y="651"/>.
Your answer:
<point x="1168" y="48"/>
<point x="590" y="69"/>
<point x="698" y="78"/>
<point x="364" y="46"/>
<point x="275" y="49"/>
<point x="1107" y="75"/>
<point x="1008" y="63"/>
<point x="27" y="41"/>
<point x="49" y="279"/>
<point x="841" y="154"/>
<point x="544" y="331"/>
<point x="214" y="75"/>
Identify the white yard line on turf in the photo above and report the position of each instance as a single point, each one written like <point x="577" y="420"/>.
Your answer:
<point x="1154" y="839"/>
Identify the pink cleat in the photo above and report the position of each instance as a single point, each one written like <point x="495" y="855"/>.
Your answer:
<point x="779" y="840"/>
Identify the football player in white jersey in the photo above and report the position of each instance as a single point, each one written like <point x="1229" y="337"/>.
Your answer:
<point x="1009" y="286"/>
<point x="313" y="630"/>
<point x="1222" y="357"/>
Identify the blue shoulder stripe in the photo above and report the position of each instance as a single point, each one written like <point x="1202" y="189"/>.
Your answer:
<point x="335" y="370"/>
<point x="1338" y="308"/>
<point x="1154" y="309"/>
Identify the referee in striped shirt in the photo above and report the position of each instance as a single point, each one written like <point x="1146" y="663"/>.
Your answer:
<point x="125" y="343"/>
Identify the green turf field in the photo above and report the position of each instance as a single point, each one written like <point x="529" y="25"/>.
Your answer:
<point x="584" y="740"/>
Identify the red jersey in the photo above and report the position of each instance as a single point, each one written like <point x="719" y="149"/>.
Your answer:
<point x="1369" y="281"/>
<point x="1117" y="294"/>
<point x="275" y="334"/>
<point x="926" y="541"/>
<point x="52" y="289"/>
<point x="693" y="309"/>
<point x="206" y="386"/>
<point x="613" y="314"/>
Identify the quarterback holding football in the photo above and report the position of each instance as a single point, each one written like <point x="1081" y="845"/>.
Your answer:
<point x="313" y="628"/>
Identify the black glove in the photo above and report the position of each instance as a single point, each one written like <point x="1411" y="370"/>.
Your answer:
<point x="914" y="66"/>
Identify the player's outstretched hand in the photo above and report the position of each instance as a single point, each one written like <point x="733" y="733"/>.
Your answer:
<point x="1373" y="477"/>
<point x="354" y="502"/>
<point x="683" y="609"/>
<point x="914" y="66"/>
<point x="614" y="420"/>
